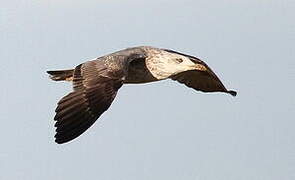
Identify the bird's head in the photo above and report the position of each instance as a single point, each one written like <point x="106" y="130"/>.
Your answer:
<point x="183" y="63"/>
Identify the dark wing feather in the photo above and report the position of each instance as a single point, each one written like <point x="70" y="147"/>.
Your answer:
<point x="94" y="91"/>
<point x="201" y="81"/>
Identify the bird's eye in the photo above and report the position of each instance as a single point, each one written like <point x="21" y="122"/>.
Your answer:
<point x="179" y="60"/>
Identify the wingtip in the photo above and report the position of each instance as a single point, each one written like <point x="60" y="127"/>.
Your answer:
<point x="233" y="93"/>
<point x="59" y="140"/>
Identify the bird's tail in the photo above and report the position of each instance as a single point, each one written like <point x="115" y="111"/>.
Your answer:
<point x="61" y="75"/>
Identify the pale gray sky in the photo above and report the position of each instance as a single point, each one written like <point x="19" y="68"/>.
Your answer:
<point x="160" y="130"/>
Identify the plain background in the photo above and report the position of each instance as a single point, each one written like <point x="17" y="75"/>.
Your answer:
<point x="160" y="130"/>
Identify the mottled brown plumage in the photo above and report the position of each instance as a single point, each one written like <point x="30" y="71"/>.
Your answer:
<point x="96" y="82"/>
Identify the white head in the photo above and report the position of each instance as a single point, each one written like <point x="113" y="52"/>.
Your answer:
<point x="180" y="63"/>
<point x="165" y="63"/>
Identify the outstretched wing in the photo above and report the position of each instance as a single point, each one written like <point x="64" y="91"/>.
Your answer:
<point x="95" y="88"/>
<point x="203" y="79"/>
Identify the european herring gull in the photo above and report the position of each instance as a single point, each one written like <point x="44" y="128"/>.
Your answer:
<point x="96" y="83"/>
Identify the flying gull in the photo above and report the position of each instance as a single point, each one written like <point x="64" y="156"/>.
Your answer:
<point x="96" y="83"/>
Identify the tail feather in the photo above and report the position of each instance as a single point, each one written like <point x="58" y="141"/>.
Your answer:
<point x="61" y="75"/>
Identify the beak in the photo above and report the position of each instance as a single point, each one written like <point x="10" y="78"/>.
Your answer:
<point x="200" y="67"/>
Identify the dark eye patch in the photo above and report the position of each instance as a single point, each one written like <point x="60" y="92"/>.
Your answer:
<point x="179" y="60"/>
